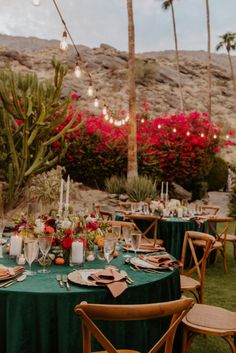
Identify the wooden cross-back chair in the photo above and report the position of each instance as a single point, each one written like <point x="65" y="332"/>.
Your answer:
<point x="209" y="320"/>
<point x="89" y="312"/>
<point x="210" y="209"/>
<point x="102" y="212"/>
<point x="197" y="264"/>
<point x="231" y="238"/>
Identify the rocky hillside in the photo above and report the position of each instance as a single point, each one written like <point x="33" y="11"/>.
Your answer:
<point x="156" y="77"/>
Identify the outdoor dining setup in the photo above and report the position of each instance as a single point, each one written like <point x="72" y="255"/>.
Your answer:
<point x="50" y="264"/>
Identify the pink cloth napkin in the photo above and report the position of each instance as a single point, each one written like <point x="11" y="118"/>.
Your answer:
<point x="112" y="279"/>
<point x="160" y="261"/>
<point x="8" y="272"/>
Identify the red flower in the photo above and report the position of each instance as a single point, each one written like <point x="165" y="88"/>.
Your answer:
<point x="67" y="242"/>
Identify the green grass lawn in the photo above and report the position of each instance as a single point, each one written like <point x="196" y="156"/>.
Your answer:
<point x="220" y="290"/>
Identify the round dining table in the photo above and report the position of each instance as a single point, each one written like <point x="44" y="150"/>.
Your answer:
<point x="37" y="315"/>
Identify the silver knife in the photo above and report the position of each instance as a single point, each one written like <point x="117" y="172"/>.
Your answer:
<point x="59" y="280"/>
<point x="65" y="280"/>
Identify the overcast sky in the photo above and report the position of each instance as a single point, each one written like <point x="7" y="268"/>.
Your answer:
<point x="92" y="22"/>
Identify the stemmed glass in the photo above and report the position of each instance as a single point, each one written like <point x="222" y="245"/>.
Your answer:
<point x="136" y="241"/>
<point x="127" y="239"/>
<point x="31" y="250"/>
<point x="109" y="249"/>
<point x="45" y="242"/>
<point x="2" y="226"/>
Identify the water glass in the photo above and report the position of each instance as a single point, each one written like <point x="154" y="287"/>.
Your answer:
<point x="116" y="231"/>
<point x="31" y="250"/>
<point x="136" y="240"/>
<point x="45" y="242"/>
<point x="109" y="249"/>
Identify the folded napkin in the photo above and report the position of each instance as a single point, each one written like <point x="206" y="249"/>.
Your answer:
<point x="8" y="272"/>
<point x="161" y="261"/>
<point x="198" y="220"/>
<point x="112" y="279"/>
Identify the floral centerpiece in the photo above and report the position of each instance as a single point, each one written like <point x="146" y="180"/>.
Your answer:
<point x="84" y="228"/>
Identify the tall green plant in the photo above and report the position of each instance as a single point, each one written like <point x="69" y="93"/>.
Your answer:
<point x="30" y="114"/>
<point x="141" y="188"/>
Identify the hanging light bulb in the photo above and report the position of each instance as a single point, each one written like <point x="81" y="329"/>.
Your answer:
<point x="159" y="126"/>
<point x="106" y="117"/>
<point x="127" y="118"/>
<point x="90" y="90"/>
<point x="174" y="130"/>
<point x="36" y="2"/>
<point x="96" y="102"/>
<point x="111" y="120"/>
<point x="142" y="120"/>
<point x="202" y="134"/>
<point x="77" y="71"/>
<point x="227" y="137"/>
<point x="63" y="43"/>
<point x="104" y="109"/>
<point x="214" y="136"/>
<point x="188" y="133"/>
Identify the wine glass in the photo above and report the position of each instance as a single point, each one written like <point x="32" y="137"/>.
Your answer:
<point x="31" y="250"/>
<point x="116" y="231"/>
<point x="109" y="249"/>
<point x="2" y="226"/>
<point x="136" y="241"/>
<point x="45" y="242"/>
<point x="126" y="235"/>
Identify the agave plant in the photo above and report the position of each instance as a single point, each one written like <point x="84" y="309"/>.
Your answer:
<point x="141" y="188"/>
<point x="115" y="184"/>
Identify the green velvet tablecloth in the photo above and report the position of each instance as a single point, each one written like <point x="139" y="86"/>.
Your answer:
<point x="36" y="316"/>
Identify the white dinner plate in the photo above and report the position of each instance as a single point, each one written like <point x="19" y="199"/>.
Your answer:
<point x="81" y="277"/>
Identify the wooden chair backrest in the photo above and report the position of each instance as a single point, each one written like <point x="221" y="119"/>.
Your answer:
<point x="103" y="212"/>
<point x="89" y="312"/>
<point x="198" y="263"/>
<point x="210" y="209"/>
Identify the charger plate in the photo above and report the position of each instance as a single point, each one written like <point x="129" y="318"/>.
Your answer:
<point x="81" y="277"/>
<point x="143" y="250"/>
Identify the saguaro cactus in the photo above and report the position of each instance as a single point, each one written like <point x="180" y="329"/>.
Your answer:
<point x="30" y="114"/>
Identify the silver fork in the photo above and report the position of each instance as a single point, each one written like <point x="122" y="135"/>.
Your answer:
<point x="59" y="280"/>
<point x="65" y="280"/>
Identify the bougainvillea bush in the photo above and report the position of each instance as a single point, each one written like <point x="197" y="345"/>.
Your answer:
<point x="178" y="147"/>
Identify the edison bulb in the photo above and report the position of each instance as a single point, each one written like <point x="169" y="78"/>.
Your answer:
<point x="188" y="133"/>
<point x="174" y="130"/>
<point x="96" y="102"/>
<point x="90" y="91"/>
<point x="36" y="2"/>
<point x="159" y="126"/>
<point x="142" y="120"/>
<point x="77" y="71"/>
<point x="202" y="134"/>
<point x="104" y="110"/>
<point x="106" y="117"/>
<point x="111" y="121"/>
<point x="63" y="43"/>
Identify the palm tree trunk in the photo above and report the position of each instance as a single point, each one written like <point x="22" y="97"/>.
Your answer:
<point x="177" y="59"/>
<point x="132" y="169"/>
<point x="208" y="58"/>
<point x="233" y="77"/>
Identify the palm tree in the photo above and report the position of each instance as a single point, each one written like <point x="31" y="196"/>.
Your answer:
<point x="208" y="57"/>
<point x="132" y="169"/>
<point x="166" y="5"/>
<point x="228" y="40"/>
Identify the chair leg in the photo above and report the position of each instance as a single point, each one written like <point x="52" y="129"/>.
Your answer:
<point x="234" y="244"/>
<point x="231" y="343"/>
<point x="223" y="254"/>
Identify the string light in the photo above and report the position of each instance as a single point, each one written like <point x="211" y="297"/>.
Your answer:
<point x="202" y="134"/>
<point x="111" y="120"/>
<point x="77" y="71"/>
<point x="159" y="126"/>
<point x="214" y="136"/>
<point x="106" y="117"/>
<point x="188" y="133"/>
<point x="227" y="137"/>
<point x="142" y="120"/>
<point x="63" y="43"/>
<point x="36" y="2"/>
<point x="96" y="102"/>
<point x="174" y="130"/>
<point x="104" y="109"/>
<point x="127" y="118"/>
<point x="90" y="90"/>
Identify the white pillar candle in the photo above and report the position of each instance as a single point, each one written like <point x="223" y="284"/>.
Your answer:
<point x="77" y="252"/>
<point x="15" y="245"/>
<point x="166" y="191"/>
<point x="67" y="193"/>
<point x="162" y="190"/>
<point x="180" y="212"/>
<point x="61" y="196"/>
<point x="1" y="255"/>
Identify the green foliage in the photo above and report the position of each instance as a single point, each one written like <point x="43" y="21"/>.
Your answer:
<point x="232" y="203"/>
<point x="145" y="71"/>
<point x="141" y="188"/>
<point x="199" y="189"/>
<point x="115" y="184"/>
<point x="218" y="174"/>
<point x="30" y="113"/>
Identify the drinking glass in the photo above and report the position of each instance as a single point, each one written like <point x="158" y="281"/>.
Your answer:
<point x="116" y="231"/>
<point x="109" y="249"/>
<point x="45" y="242"/>
<point x="2" y="226"/>
<point x="136" y="241"/>
<point x="126" y="231"/>
<point x="133" y="207"/>
<point x="31" y="250"/>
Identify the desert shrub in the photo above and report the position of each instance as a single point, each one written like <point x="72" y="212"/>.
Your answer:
<point x="218" y="174"/>
<point x="115" y="184"/>
<point x="199" y="190"/>
<point x="141" y="188"/>
<point x="145" y="70"/>
<point x="232" y="203"/>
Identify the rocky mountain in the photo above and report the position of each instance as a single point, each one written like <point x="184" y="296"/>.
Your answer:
<point x="156" y="77"/>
